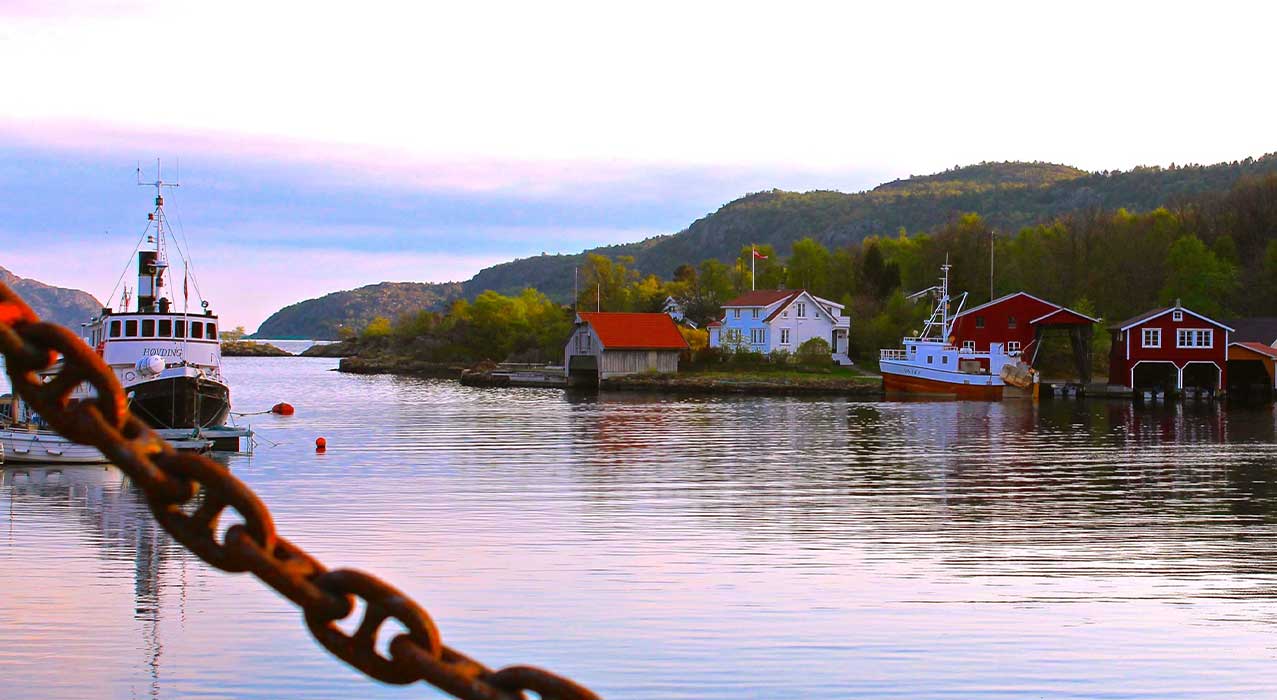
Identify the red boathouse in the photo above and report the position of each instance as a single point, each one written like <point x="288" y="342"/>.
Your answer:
<point x="1018" y="321"/>
<point x="1170" y="348"/>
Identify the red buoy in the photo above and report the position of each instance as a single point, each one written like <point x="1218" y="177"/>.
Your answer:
<point x="283" y="409"/>
<point x="320" y="444"/>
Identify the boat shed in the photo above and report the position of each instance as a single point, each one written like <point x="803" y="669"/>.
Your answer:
<point x="1252" y="370"/>
<point x="609" y="344"/>
<point x="1169" y="349"/>
<point x="1019" y="321"/>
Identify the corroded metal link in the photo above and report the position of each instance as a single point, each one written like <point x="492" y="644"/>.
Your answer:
<point x="172" y="481"/>
<point x="383" y="602"/>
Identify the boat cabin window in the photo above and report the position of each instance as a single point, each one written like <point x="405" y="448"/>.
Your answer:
<point x="210" y="331"/>
<point x="944" y="359"/>
<point x="148" y="328"/>
<point x="115" y="329"/>
<point x="166" y="328"/>
<point x="179" y="329"/>
<point x="197" y="329"/>
<point x="130" y="329"/>
<point x="930" y="359"/>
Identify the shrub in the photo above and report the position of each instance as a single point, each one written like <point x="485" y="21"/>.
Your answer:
<point x="814" y="351"/>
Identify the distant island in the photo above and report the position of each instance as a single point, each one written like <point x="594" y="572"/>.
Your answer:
<point x="68" y="307"/>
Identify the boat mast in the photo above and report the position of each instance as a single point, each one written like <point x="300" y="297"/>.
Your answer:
<point x="153" y="264"/>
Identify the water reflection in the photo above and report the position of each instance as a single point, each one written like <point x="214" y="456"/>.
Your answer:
<point x="699" y="547"/>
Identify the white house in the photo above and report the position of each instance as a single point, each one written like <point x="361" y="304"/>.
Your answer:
<point x="781" y="319"/>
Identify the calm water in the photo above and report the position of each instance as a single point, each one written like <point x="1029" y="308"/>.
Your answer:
<point x="656" y="547"/>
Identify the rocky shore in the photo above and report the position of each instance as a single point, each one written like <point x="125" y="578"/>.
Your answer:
<point x="344" y="348"/>
<point x="783" y="384"/>
<point x="392" y="364"/>
<point x="249" y="348"/>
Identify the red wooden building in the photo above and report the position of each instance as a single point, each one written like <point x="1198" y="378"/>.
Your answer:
<point x="1018" y="321"/>
<point x="1170" y="348"/>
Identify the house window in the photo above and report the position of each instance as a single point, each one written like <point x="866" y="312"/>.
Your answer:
<point x="1011" y="322"/>
<point x="735" y="313"/>
<point x="784" y="336"/>
<point x="757" y="336"/>
<point x="784" y="314"/>
<point x="1177" y="315"/>
<point x="968" y="346"/>
<point x="979" y="322"/>
<point x="802" y="310"/>
<point x="755" y="312"/>
<point x="733" y="335"/>
<point x="1013" y="346"/>
<point x="1151" y="338"/>
<point x="1195" y="338"/>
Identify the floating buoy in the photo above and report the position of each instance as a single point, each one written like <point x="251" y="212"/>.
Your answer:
<point x="320" y="444"/>
<point x="283" y="409"/>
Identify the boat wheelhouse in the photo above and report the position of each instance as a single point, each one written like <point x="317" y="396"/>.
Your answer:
<point x="169" y="361"/>
<point x="930" y="365"/>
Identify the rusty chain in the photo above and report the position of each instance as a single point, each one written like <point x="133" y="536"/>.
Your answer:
<point x="173" y="481"/>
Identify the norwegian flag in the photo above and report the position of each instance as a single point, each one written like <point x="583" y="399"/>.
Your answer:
<point x="758" y="255"/>
<point x="185" y="292"/>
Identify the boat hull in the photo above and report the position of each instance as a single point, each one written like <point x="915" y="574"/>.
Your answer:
<point x="180" y="402"/>
<point x="893" y="383"/>
<point x="45" y="447"/>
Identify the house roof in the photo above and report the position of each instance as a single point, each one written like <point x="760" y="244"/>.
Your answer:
<point x="1150" y="315"/>
<point x="621" y="331"/>
<point x="1064" y="316"/>
<point x="1012" y="295"/>
<point x="763" y="297"/>
<point x="1262" y="329"/>
<point x="1261" y="348"/>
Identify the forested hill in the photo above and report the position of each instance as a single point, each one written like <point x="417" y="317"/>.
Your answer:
<point x="1008" y="196"/>
<point x="68" y="307"/>
<point x="323" y="318"/>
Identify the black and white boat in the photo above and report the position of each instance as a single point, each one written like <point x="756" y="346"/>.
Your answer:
<point x="166" y="356"/>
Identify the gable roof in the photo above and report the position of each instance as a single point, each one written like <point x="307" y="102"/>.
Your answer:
<point x="797" y="293"/>
<point x="632" y="331"/>
<point x="1150" y="315"/>
<point x="1064" y="316"/>
<point x="1012" y="295"/>
<point x="763" y="297"/>
<point x="1261" y="329"/>
<point x="1261" y="348"/>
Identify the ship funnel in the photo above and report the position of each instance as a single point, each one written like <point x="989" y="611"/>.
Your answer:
<point x="148" y="275"/>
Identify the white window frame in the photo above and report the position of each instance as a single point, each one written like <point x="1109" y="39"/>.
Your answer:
<point x="754" y="312"/>
<point x="1013" y="346"/>
<point x="1197" y="338"/>
<point x="784" y="314"/>
<point x="968" y="346"/>
<point x="1177" y="315"/>
<point x="757" y="336"/>
<point x="735" y="313"/>
<point x="802" y="309"/>
<point x="784" y="336"/>
<point x="1150" y="337"/>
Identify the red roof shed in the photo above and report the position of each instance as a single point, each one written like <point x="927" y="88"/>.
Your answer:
<point x="1169" y="348"/>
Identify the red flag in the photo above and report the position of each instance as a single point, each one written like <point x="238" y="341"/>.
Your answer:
<point x="758" y="255"/>
<point x="185" y="294"/>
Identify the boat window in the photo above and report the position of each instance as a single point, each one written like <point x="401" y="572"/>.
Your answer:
<point x="166" y="328"/>
<point x="179" y="329"/>
<point x="115" y="329"/>
<point x="197" y="329"/>
<point x="148" y="328"/>
<point x="210" y="331"/>
<point x="130" y="329"/>
<point x="929" y="359"/>
<point x="944" y="359"/>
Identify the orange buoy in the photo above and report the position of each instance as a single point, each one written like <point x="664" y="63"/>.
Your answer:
<point x="283" y="409"/>
<point x="320" y="444"/>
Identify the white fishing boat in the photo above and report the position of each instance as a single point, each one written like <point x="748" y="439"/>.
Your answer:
<point x="930" y="365"/>
<point x="165" y="355"/>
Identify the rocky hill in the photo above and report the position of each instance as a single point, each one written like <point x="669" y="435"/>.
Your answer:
<point x="69" y="307"/>
<point x="322" y="318"/>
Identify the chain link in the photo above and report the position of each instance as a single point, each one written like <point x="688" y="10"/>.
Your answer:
<point x="188" y="493"/>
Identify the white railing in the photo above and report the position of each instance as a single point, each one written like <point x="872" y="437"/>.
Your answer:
<point x="892" y="355"/>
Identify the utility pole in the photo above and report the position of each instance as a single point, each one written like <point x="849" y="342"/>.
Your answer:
<point x="991" y="264"/>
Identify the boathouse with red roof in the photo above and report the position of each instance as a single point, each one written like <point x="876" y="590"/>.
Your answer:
<point x="1171" y="349"/>
<point x="611" y="344"/>
<point x="1019" y="321"/>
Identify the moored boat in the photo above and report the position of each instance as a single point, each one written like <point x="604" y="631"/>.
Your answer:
<point x="930" y="365"/>
<point x="167" y="359"/>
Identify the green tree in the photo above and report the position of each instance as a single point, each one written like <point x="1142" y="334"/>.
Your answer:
<point x="808" y="267"/>
<point x="1197" y="277"/>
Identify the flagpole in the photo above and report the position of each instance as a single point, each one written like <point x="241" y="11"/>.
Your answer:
<point x="752" y="255"/>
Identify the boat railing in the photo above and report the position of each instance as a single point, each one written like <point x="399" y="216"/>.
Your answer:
<point x="892" y="355"/>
